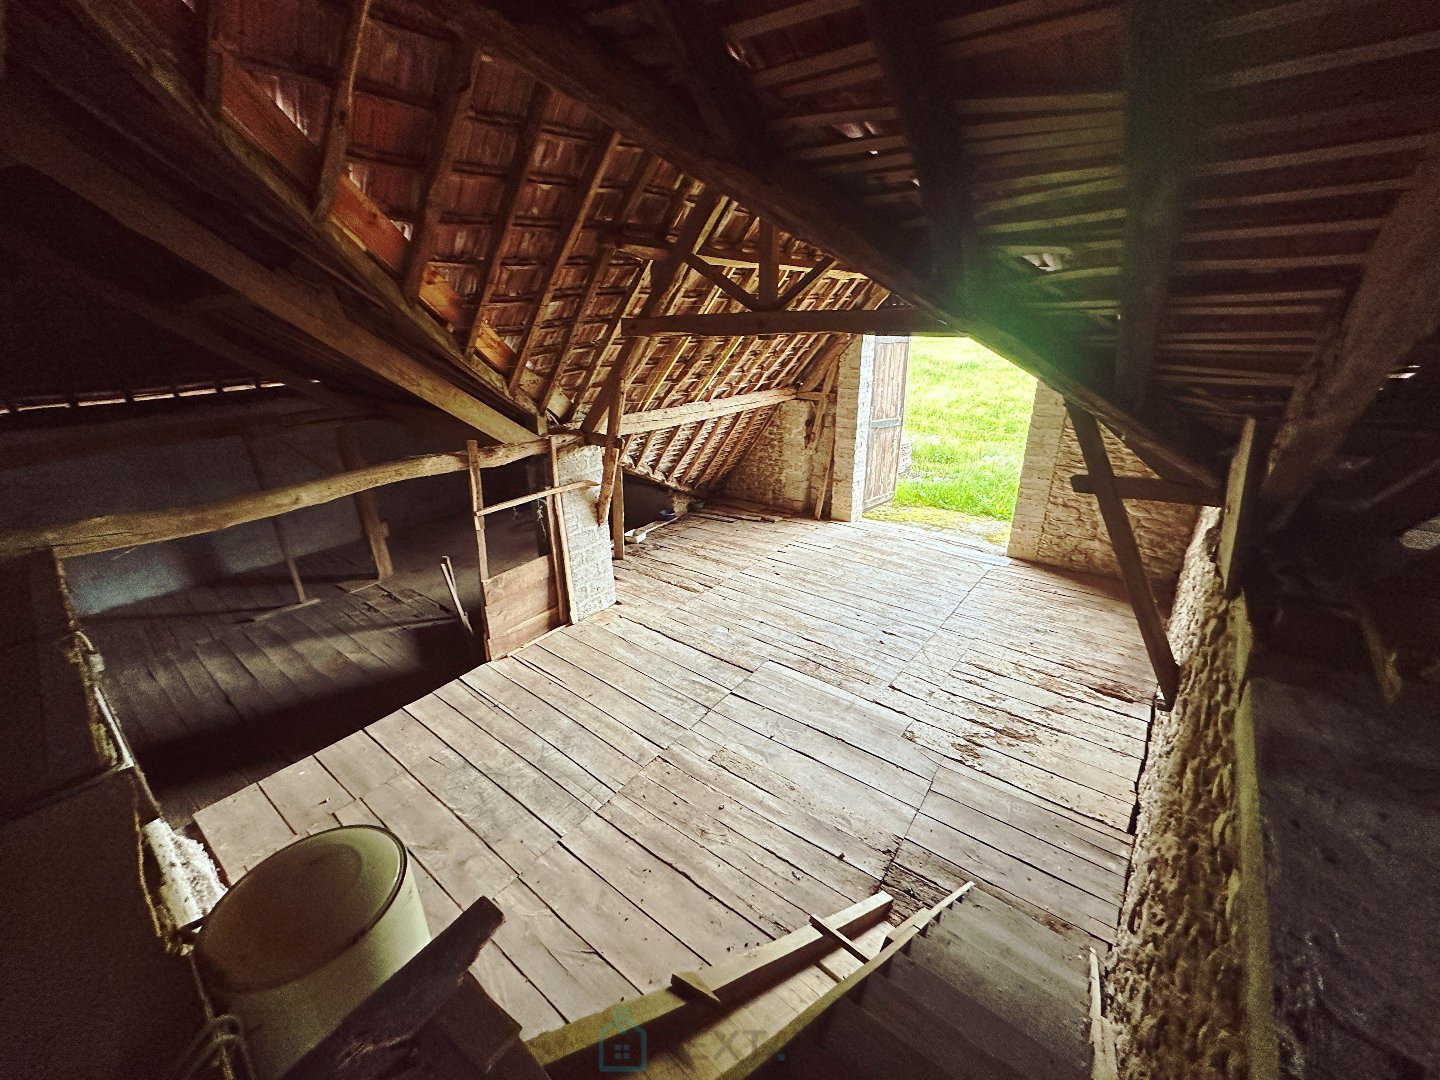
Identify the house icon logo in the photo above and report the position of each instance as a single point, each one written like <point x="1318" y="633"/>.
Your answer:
<point x="622" y="1043"/>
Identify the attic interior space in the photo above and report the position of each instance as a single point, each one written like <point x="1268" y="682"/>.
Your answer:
<point x="442" y="634"/>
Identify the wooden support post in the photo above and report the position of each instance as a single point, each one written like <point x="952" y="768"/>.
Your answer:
<point x="1127" y="553"/>
<point x="617" y="509"/>
<point x="337" y="124"/>
<point x="277" y="523"/>
<point x="482" y="562"/>
<point x="768" y="290"/>
<point x="367" y="506"/>
<point x="560" y="534"/>
<point x="211" y="14"/>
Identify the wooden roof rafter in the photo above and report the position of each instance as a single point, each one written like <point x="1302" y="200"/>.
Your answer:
<point x="337" y="123"/>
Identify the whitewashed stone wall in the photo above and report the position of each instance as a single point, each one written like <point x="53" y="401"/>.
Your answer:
<point x="852" y="429"/>
<point x="1055" y="526"/>
<point x="592" y="573"/>
<point x="777" y="469"/>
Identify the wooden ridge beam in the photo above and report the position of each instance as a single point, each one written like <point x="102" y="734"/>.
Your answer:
<point x="1395" y="310"/>
<point x="1163" y="122"/>
<point x="891" y="320"/>
<point x="113" y="532"/>
<point x="1127" y="552"/>
<point x="658" y="419"/>
<point x="337" y="123"/>
<point x="29" y="134"/>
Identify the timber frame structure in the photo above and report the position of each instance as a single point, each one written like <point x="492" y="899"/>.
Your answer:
<point x="637" y="232"/>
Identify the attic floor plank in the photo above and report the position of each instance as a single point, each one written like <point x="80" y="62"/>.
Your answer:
<point x="779" y="718"/>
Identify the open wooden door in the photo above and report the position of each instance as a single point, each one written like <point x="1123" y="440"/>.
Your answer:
<point x="887" y="419"/>
<point x="528" y="597"/>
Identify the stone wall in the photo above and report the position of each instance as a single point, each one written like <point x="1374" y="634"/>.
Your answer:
<point x="778" y="468"/>
<point x="592" y="573"/>
<point x="852" y="429"/>
<point x="1176" y="984"/>
<point x="1057" y="527"/>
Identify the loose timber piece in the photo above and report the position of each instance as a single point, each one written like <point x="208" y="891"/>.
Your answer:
<point x="1237" y="526"/>
<point x="449" y="133"/>
<point x="562" y="536"/>
<point x="111" y="532"/>
<point x="1127" y="552"/>
<point x="44" y="146"/>
<point x="337" y="123"/>
<point x="367" y="507"/>
<point x="1395" y="309"/>
<point x="570" y="1049"/>
<point x="374" y="1039"/>
<point x="473" y="465"/>
<point x="1162" y="135"/>
<point x="617" y="515"/>
<point x="1150" y="489"/>
<point x="888" y="321"/>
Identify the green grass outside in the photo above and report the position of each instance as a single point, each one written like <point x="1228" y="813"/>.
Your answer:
<point x="967" y="412"/>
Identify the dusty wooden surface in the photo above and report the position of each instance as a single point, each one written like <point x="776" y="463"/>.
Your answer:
<point x="776" y="720"/>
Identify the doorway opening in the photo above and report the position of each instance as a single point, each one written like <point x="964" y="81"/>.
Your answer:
<point x="947" y="441"/>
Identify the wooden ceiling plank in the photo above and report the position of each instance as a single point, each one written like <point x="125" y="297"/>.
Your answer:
<point x="1395" y="309"/>
<point x="337" y="123"/>
<point x="448" y="136"/>
<point x="601" y="156"/>
<point x="1163" y="122"/>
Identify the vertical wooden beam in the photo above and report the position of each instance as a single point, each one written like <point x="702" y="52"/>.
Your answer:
<point x="1127" y="553"/>
<point x="1162" y="136"/>
<point x="601" y="154"/>
<point x="337" y="123"/>
<point x="768" y="289"/>
<point x="482" y="561"/>
<point x="617" y="511"/>
<point x="562" y="538"/>
<point x="367" y="505"/>
<point x="449" y="132"/>
<point x="525" y="145"/>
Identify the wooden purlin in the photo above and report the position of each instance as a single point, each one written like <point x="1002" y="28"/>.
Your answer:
<point x="601" y="155"/>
